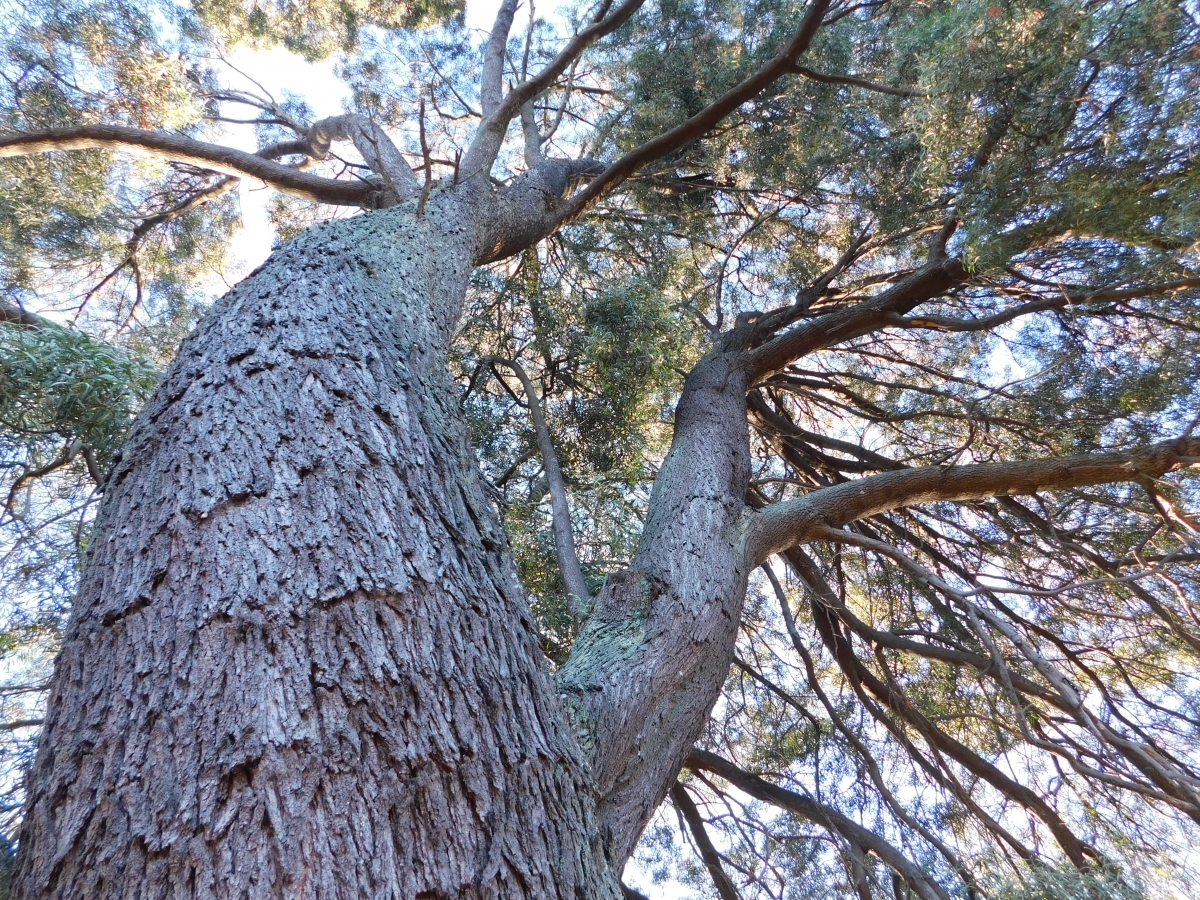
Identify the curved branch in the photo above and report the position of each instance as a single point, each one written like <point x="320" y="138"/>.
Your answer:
<point x="701" y="123"/>
<point x="868" y="760"/>
<point x="375" y="147"/>
<point x="580" y="598"/>
<point x="180" y="149"/>
<point x="854" y="81"/>
<point x="786" y="524"/>
<point x="819" y="814"/>
<point x="889" y="693"/>
<point x="1175" y="783"/>
<point x="881" y="311"/>
<point x="823" y="600"/>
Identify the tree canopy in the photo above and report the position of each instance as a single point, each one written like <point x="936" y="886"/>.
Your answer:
<point x="957" y="232"/>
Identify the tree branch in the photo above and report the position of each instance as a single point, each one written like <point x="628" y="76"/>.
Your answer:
<point x="848" y="733"/>
<point x="15" y="315"/>
<point x="987" y="323"/>
<point x="786" y="524"/>
<point x="701" y="123"/>
<point x="880" y="311"/>
<point x="17" y="724"/>
<point x="180" y="149"/>
<point x="526" y="210"/>
<point x="491" y="84"/>
<point x="375" y="147"/>
<point x="889" y="693"/>
<point x="822" y="815"/>
<point x="823" y="602"/>
<point x="855" y="82"/>
<point x="708" y="853"/>
<point x="533" y="140"/>
<point x="579" y="601"/>
<point x="1175" y="782"/>
<point x="478" y="160"/>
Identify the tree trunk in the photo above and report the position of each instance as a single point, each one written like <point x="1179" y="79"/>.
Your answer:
<point x="649" y="664"/>
<point x="300" y="663"/>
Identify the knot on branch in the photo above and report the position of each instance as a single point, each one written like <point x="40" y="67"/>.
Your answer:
<point x="627" y="594"/>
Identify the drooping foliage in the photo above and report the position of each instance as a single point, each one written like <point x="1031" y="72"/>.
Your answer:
<point x="1005" y="691"/>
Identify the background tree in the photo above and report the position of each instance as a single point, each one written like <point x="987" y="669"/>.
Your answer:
<point x="895" y="302"/>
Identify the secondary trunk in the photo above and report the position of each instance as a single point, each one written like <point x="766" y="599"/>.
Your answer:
<point x="300" y="663"/>
<point x="649" y="664"/>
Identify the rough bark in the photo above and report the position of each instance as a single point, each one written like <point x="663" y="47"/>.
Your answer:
<point x="649" y="663"/>
<point x="300" y="663"/>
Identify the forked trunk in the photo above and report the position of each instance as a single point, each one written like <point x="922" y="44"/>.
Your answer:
<point x="300" y="663"/>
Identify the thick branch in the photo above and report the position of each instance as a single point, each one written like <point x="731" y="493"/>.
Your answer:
<point x="822" y="815"/>
<point x="786" y="524"/>
<point x="533" y="140"/>
<point x="15" y="315"/>
<point x="180" y="149"/>
<point x="701" y="123"/>
<point x="527" y="209"/>
<point x="18" y="724"/>
<point x="880" y="311"/>
<point x="491" y="85"/>
<point x="375" y="147"/>
<point x="580" y="598"/>
<point x="602" y="24"/>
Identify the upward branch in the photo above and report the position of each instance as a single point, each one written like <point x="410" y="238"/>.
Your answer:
<point x="705" y="120"/>
<point x="580" y="600"/>
<point x="180" y="149"/>
<point x="478" y="160"/>
<point x="491" y="86"/>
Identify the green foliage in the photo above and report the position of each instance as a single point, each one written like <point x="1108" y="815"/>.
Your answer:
<point x="58" y="384"/>
<point x="606" y="353"/>
<point x="1042" y="883"/>
<point x="315" y="29"/>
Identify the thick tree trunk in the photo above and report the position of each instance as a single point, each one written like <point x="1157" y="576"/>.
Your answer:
<point x="300" y="663"/>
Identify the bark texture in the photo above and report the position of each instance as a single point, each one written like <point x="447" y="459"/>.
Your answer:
<point x="649" y="664"/>
<point x="300" y="663"/>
